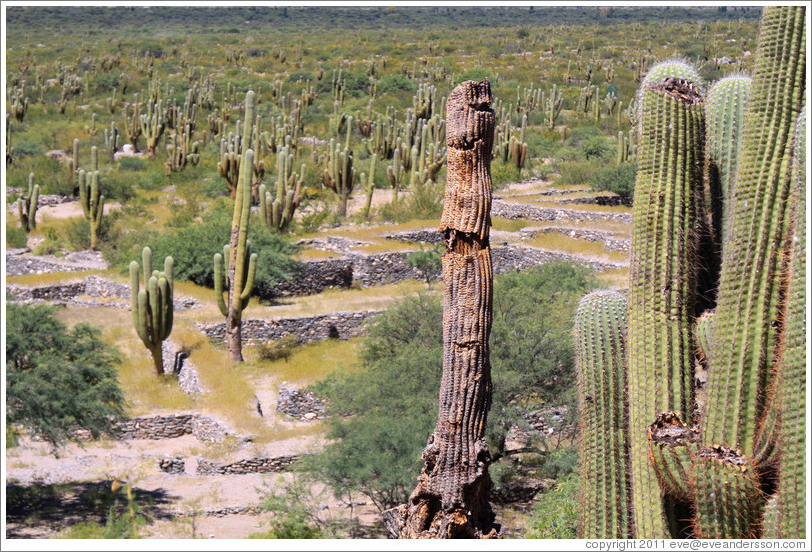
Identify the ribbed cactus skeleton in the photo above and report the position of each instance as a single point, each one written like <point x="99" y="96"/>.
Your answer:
<point x="600" y="349"/>
<point x="92" y="201"/>
<point x="451" y="496"/>
<point x="152" y="308"/>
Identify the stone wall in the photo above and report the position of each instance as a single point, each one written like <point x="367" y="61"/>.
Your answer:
<point x="516" y="211"/>
<point x="258" y="464"/>
<point x="85" y="293"/>
<point x="300" y="405"/>
<point x="514" y="257"/>
<point x="171" y="426"/>
<point x="172" y="466"/>
<point x="313" y="277"/>
<point x="338" y="325"/>
<point x="382" y="268"/>
<point x="606" y="238"/>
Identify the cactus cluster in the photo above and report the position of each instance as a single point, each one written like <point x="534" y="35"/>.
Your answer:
<point x="92" y="201"/>
<point x="715" y="399"/>
<point x="152" y="308"/>
<point x="27" y="205"/>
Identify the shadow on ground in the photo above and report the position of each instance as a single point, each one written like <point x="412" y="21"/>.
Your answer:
<point x="57" y="506"/>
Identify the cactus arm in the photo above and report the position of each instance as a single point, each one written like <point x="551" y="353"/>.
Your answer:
<point x="600" y="333"/>
<point x="249" y="281"/>
<point x="220" y="282"/>
<point x="744" y="329"/>
<point x="668" y="212"/>
<point x="791" y="365"/>
<point x="135" y="306"/>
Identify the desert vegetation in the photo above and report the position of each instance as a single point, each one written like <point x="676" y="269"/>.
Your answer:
<point x="240" y="147"/>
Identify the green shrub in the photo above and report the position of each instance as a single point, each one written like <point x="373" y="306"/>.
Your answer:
<point x="193" y="248"/>
<point x="26" y="148"/>
<point x="576" y="172"/>
<point x="134" y="164"/>
<point x="618" y="179"/>
<point x="394" y="83"/>
<point x="554" y="512"/>
<point x="477" y="74"/>
<point x="597" y="147"/>
<point x="16" y="237"/>
<point x="58" y="379"/>
<point x="277" y="349"/>
<point x="77" y="232"/>
<point x="300" y="76"/>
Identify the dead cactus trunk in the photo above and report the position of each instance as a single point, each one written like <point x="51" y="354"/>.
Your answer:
<point x="451" y="497"/>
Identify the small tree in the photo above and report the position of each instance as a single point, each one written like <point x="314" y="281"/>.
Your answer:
<point x="58" y="380"/>
<point x="427" y="261"/>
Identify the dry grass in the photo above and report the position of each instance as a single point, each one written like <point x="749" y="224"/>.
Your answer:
<point x="556" y="241"/>
<point x="308" y="363"/>
<point x="617" y="278"/>
<point x="49" y="278"/>
<point x="507" y="225"/>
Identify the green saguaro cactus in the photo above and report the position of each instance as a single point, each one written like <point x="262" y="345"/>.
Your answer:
<point x="600" y="352"/>
<point x="667" y="224"/>
<point x="240" y="279"/>
<point x="339" y="175"/>
<point x="724" y="108"/>
<point x="27" y="205"/>
<point x="92" y="202"/>
<point x="791" y="390"/>
<point x="745" y="329"/>
<point x="152" y="309"/>
<point x="276" y="211"/>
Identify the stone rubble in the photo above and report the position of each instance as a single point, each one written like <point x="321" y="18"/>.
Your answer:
<point x="299" y="404"/>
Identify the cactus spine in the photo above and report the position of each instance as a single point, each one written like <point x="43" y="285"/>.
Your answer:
<point x="600" y="333"/>
<point x="152" y="308"/>
<point x="92" y="202"/>
<point x="242" y="265"/>
<point x="667" y="218"/>
<point x="27" y="204"/>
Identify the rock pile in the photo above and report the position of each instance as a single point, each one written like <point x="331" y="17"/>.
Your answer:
<point x="299" y="404"/>
<point x="173" y="466"/>
<point x="515" y="211"/>
<point x="258" y="464"/>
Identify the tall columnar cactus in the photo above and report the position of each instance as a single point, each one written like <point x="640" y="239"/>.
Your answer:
<point x="276" y="211"/>
<point x="724" y="109"/>
<point x="132" y="122"/>
<point x="27" y="205"/>
<point x="677" y="68"/>
<point x="738" y="464"/>
<point x="668" y="216"/>
<point x="451" y="496"/>
<point x="152" y="308"/>
<point x="746" y="324"/>
<point x="791" y="385"/>
<point x="369" y="186"/>
<point x="339" y="175"/>
<point x="600" y="349"/>
<point x="92" y="202"/>
<point x="518" y="146"/>
<point x="242" y="264"/>
<point x="152" y="125"/>
<point x="111" y="138"/>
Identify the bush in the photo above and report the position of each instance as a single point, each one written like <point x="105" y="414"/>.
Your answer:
<point x="618" y="179"/>
<point x="58" y="380"/>
<point x="596" y="147"/>
<point x="132" y="164"/>
<point x="476" y="74"/>
<point x="278" y="348"/>
<point x="77" y="232"/>
<point x="193" y="248"/>
<point x="576" y="172"/>
<point x="26" y="148"/>
<point x="393" y="83"/>
<point x="16" y="237"/>
<point x="555" y="514"/>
